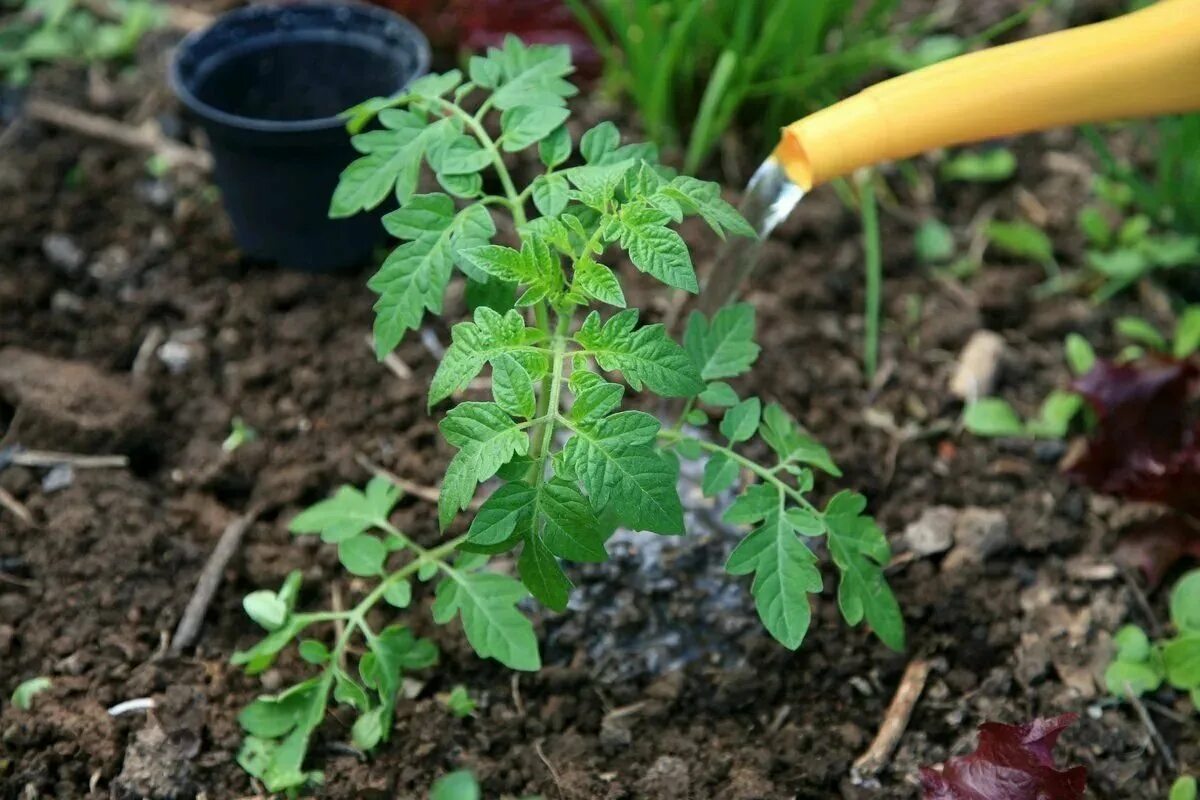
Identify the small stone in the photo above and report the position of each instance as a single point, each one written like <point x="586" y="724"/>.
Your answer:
<point x="614" y="735"/>
<point x="62" y="252"/>
<point x="271" y="680"/>
<point x="979" y="534"/>
<point x="64" y="302"/>
<point x="60" y="477"/>
<point x="667" y="779"/>
<point x="113" y="265"/>
<point x="978" y="366"/>
<point x="932" y="532"/>
<point x="176" y="355"/>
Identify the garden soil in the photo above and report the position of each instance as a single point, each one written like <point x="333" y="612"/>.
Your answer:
<point x="130" y="325"/>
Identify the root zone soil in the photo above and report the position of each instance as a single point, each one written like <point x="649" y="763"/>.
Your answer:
<point x="158" y="300"/>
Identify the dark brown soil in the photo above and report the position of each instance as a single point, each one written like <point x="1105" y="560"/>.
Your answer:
<point x="662" y="685"/>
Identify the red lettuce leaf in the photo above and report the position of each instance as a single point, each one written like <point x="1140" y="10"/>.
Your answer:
<point x="1146" y="444"/>
<point x="1012" y="762"/>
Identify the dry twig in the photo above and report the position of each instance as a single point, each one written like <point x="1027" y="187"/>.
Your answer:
<point x="144" y="137"/>
<point x="210" y="580"/>
<point x="895" y="721"/>
<point x="15" y="506"/>
<point x="1156" y="740"/>
<point x="392" y="361"/>
<point x="50" y="458"/>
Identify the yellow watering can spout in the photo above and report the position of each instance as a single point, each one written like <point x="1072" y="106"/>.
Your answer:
<point x="1142" y="64"/>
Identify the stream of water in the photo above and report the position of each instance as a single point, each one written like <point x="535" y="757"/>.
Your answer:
<point x="770" y="197"/>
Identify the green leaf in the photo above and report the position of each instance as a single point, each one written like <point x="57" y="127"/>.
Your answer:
<point x="990" y="166"/>
<point x="473" y="344"/>
<point x="543" y="576"/>
<point x="349" y="512"/>
<point x="861" y="551"/>
<point x="753" y="505"/>
<point x="1054" y="417"/>
<point x="704" y="198"/>
<point x="1181" y="660"/>
<point x="533" y="75"/>
<point x="262" y="655"/>
<point x="522" y="126"/>
<point x="1080" y="355"/>
<point x="643" y="355"/>
<point x="362" y="555"/>
<point x="570" y="527"/>
<point x="1184" y="788"/>
<point x="459" y="785"/>
<point x="512" y="387"/>
<point x="484" y="72"/>
<point x="1021" y="240"/>
<point x="599" y="142"/>
<point x="398" y="593"/>
<point x="991" y="416"/>
<point x="598" y="282"/>
<point x="508" y="508"/>
<point x="659" y="252"/>
<point x="619" y="468"/>
<point x="556" y="147"/>
<point x="458" y="702"/>
<point x="487" y="438"/>
<point x="785" y="573"/>
<point x="791" y="444"/>
<point x="414" y="276"/>
<point x="392" y="162"/>
<point x="435" y="85"/>
<point x="725" y="347"/>
<point x="1095" y="227"/>
<point x="596" y="185"/>
<point x="1139" y="677"/>
<point x="934" y="242"/>
<point x="719" y="394"/>
<point x="596" y="400"/>
<point x="367" y="729"/>
<point x="487" y="604"/>
<point x="265" y="608"/>
<point x="1142" y="332"/>
<point x="550" y="194"/>
<point x="458" y="155"/>
<point x="22" y="696"/>
<point x="741" y="421"/>
<point x="1132" y="644"/>
<point x="1187" y="332"/>
<point x="1185" y="603"/>
<point x="314" y="652"/>
<point x="720" y="473"/>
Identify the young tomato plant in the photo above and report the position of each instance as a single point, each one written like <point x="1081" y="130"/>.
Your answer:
<point x="571" y="463"/>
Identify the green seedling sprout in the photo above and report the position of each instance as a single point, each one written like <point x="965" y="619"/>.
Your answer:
<point x="568" y="460"/>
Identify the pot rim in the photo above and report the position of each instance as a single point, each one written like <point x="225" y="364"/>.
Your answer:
<point x="417" y="40"/>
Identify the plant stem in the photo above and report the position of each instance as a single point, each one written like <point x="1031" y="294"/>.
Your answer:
<point x="767" y="475"/>
<point x="549" y="399"/>
<point x="874" y="266"/>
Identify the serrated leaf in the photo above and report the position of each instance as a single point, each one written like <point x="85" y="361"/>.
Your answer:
<point x="752" y="505"/>
<point x="349" y="512"/>
<point x="619" y="468"/>
<point x="543" y="576"/>
<point x="414" y="276"/>
<point x="533" y="75"/>
<point x="598" y="282"/>
<point x="741" y="421"/>
<point x="392" y="163"/>
<point x="661" y="253"/>
<point x="507" y="509"/>
<point x="473" y="344"/>
<point x="262" y="655"/>
<point x="597" y="184"/>
<point x="704" y="198"/>
<point x="484" y="72"/>
<point x="487" y="604"/>
<point x="362" y="555"/>
<point x="596" y="400"/>
<point x="599" y="142"/>
<point x="487" y="438"/>
<point x="512" y="387"/>
<point x="791" y="444"/>
<point x="725" y="347"/>
<point x="785" y="573"/>
<point x="550" y="194"/>
<point x="569" y="527"/>
<point x="720" y="473"/>
<point x="458" y="155"/>
<point x="860" y="551"/>
<point x="555" y="149"/>
<point x="522" y="126"/>
<point x="643" y="355"/>
<point x="435" y="85"/>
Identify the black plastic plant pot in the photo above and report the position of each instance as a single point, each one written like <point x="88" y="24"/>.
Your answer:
<point x="267" y="83"/>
